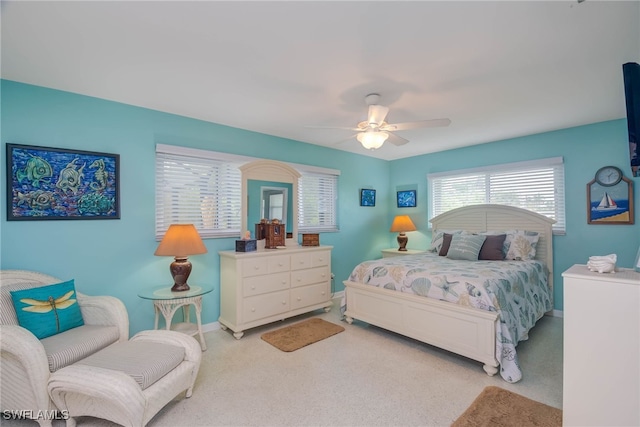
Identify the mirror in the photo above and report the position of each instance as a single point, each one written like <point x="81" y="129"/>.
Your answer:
<point x="270" y="200"/>
<point x="267" y="178"/>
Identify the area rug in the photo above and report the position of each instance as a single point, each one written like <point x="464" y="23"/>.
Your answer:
<point x="499" y="407"/>
<point x="294" y="337"/>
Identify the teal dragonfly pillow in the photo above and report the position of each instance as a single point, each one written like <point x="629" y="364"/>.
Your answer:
<point x="48" y="310"/>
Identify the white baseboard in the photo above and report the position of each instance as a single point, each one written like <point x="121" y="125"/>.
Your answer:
<point x="558" y="313"/>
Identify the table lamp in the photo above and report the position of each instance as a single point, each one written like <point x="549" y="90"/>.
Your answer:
<point x="401" y="224"/>
<point x="180" y="241"/>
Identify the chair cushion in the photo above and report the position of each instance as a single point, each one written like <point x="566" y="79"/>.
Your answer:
<point x="145" y="362"/>
<point x="48" y="310"/>
<point x="70" y="346"/>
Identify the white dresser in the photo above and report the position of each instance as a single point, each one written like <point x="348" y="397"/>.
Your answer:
<point x="272" y="284"/>
<point x="601" y="369"/>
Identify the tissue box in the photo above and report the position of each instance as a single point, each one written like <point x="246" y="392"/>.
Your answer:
<point x="246" y="245"/>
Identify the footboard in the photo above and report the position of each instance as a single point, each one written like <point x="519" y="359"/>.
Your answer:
<point x="462" y="330"/>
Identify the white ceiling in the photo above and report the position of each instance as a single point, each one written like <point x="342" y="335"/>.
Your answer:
<point x="496" y="69"/>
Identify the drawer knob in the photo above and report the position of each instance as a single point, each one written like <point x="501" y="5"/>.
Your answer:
<point x="253" y="310"/>
<point x="253" y="288"/>
<point x="299" y="299"/>
<point x="256" y="267"/>
<point x="284" y="282"/>
<point x="323" y="292"/>
<point x="284" y="303"/>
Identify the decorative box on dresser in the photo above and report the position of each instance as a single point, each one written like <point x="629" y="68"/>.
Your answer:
<point x="261" y="287"/>
<point x="601" y="369"/>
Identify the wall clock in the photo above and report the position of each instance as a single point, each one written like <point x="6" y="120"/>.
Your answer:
<point x="608" y="176"/>
<point x="610" y="197"/>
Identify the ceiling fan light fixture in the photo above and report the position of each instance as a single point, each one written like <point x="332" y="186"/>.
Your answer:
<point x="372" y="140"/>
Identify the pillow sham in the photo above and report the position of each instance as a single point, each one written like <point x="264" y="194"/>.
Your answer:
<point x="48" y="310"/>
<point x="465" y="246"/>
<point x="446" y="243"/>
<point x="521" y="245"/>
<point x="438" y="238"/>
<point x="492" y="248"/>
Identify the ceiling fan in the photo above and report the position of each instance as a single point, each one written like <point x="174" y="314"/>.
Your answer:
<point x="374" y="131"/>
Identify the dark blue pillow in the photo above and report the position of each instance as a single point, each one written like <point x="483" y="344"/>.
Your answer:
<point x="48" y="310"/>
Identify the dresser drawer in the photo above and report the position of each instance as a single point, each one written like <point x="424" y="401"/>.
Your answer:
<point x="260" y="306"/>
<point x="264" y="284"/>
<point x="310" y="276"/>
<point x="309" y="295"/>
<point x="320" y="258"/>
<point x="301" y="261"/>
<point x="276" y="264"/>
<point x="255" y="266"/>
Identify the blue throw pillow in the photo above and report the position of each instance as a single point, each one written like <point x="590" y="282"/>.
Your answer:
<point x="48" y="310"/>
<point x="465" y="246"/>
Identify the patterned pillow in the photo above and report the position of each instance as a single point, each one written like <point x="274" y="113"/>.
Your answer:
<point x="465" y="246"/>
<point x="438" y="237"/>
<point x="521" y="245"/>
<point x="48" y="310"/>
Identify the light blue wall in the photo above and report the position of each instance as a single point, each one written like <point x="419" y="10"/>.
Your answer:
<point x="585" y="149"/>
<point x="115" y="257"/>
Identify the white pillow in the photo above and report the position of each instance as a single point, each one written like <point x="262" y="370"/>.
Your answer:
<point x="521" y="244"/>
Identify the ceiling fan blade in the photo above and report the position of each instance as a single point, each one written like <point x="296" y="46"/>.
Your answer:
<point x="419" y="124"/>
<point x="334" y="127"/>
<point x="377" y="114"/>
<point x="351" y="138"/>
<point x="396" y="140"/>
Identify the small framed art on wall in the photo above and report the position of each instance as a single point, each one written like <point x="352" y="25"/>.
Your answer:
<point x="367" y="197"/>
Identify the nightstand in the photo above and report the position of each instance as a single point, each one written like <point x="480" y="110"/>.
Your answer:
<point x="388" y="253"/>
<point x="167" y="302"/>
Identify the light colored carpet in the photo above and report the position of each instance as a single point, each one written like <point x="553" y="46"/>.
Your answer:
<point x="498" y="407"/>
<point x="294" y="337"/>
<point x="364" y="376"/>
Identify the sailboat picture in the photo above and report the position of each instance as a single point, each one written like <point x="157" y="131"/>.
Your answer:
<point x="609" y="205"/>
<point x="606" y="203"/>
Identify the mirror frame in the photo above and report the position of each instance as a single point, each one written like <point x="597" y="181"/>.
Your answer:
<point x="270" y="170"/>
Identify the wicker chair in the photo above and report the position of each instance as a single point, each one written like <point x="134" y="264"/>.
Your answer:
<point x="26" y="362"/>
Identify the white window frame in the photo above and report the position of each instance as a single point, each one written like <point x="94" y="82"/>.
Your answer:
<point x="224" y="194"/>
<point x="537" y="185"/>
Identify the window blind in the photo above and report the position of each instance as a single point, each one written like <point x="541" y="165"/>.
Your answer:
<point x="317" y="202"/>
<point x="534" y="185"/>
<point x="204" y="188"/>
<point x="198" y="187"/>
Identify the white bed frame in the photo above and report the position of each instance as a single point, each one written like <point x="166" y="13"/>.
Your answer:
<point x="460" y="329"/>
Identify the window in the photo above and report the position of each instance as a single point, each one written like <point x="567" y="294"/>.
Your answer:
<point x="199" y="187"/>
<point x="536" y="185"/>
<point x="317" y="199"/>
<point x="204" y="188"/>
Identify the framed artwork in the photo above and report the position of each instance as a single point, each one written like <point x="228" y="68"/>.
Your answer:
<point x="407" y="199"/>
<point x="610" y="198"/>
<point x="367" y="197"/>
<point x="54" y="183"/>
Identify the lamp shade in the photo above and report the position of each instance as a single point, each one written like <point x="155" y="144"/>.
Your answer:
<point x="402" y="223"/>
<point x="181" y="240"/>
<point x="372" y="139"/>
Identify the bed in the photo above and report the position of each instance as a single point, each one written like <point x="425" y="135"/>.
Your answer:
<point x="482" y="324"/>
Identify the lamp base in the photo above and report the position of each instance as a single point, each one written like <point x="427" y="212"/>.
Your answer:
<point x="402" y="241"/>
<point x="180" y="270"/>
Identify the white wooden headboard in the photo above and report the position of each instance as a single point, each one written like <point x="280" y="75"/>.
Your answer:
<point x="478" y="218"/>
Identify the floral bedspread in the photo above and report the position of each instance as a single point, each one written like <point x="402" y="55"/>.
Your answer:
<point x="517" y="290"/>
